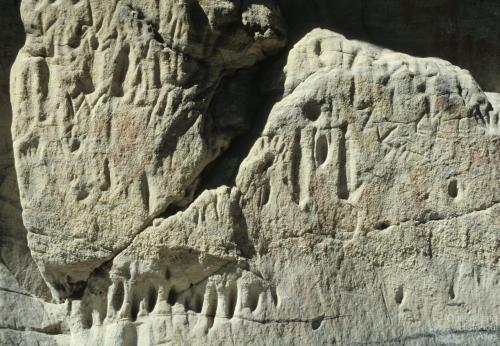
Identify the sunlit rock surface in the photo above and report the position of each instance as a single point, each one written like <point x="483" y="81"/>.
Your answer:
<point x="198" y="172"/>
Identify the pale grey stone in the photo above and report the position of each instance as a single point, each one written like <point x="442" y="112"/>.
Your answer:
<point x="365" y="211"/>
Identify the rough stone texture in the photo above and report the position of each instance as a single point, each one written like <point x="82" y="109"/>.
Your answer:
<point x="181" y="184"/>
<point x="14" y="252"/>
<point x="113" y="111"/>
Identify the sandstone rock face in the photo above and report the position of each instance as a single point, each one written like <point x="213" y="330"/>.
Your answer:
<point x="14" y="252"/>
<point x="112" y="121"/>
<point x="365" y="211"/>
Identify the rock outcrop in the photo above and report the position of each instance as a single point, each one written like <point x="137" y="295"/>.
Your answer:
<point x="15" y="256"/>
<point x="111" y="106"/>
<point x="185" y="178"/>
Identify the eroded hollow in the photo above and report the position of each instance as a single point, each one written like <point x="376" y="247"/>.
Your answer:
<point x="232" y="296"/>
<point x="134" y="308"/>
<point x="151" y="299"/>
<point x="253" y="295"/>
<point x="453" y="188"/>
<point x="451" y="291"/>
<point x="168" y="274"/>
<point x="381" y="225"/>
<point x="265" y="194"/>
<point x="197" y="303"/>
<point x="274" y="295"/>
<point x="316" y="323"/>
<point x="321" y="150"/>
<point x="312" y="110"/>
<point x="172" y="296"/>
<point x="211" y="310"/>
<point x="399" y="295"/>
<point x="118" y="296"/>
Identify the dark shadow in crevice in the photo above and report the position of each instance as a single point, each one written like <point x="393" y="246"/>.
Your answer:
<point x="171" y="210"/>
<point x="240" y="109"/>
<point x="14" y="251"/>
<point x="256" y="98"/>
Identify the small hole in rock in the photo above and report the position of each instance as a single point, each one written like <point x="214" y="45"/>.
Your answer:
<point x="81" y="195"/>
<point x="316" y="323"/>
<point x="232" y="296"/>
<point x="274" y="295"/>
<point x="453" y="188"/>
<point x="451" y="292"/>
<point x="198" y="303"/>
<point x="75" y="145"/>
<point x="152" y="297"/>
<point x="107" y="177"/>
<point x="172" y="296"/>
<point x="265" y="193"/>
<point x="134" y="309"/>
<point x="118" y="296"/>
<point x="312" y="110"/>
<point x="321" y="150"/>
<point x="421" y="87"/>
<point x="168" y="275"/>
<point x="317" y="48"/>
<point x="399" y="295"/>
<point x="253" y="297"/>
<point x="381" y="225"/>
<point x="87" y="319"/>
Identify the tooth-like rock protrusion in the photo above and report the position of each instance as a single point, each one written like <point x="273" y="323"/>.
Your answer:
<point x="195" y="269"/>
<point x="227" y="294"/>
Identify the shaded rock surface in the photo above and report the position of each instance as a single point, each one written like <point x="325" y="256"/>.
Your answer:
<point x="187" y="178"/>
<point x="14" y="252"/>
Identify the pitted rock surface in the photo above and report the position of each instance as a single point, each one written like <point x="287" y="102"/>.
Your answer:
<point x="188" y="177"/>
<point x="111" y="117"/>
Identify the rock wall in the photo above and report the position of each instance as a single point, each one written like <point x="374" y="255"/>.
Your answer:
<point x="14" y="253"/>
<point x="197" y="172"/>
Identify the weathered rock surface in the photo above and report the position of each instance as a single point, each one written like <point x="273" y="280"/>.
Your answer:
<point x="364" y="211"/>
<point x="14" y="252"/>
<point x="112" y="121"/>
